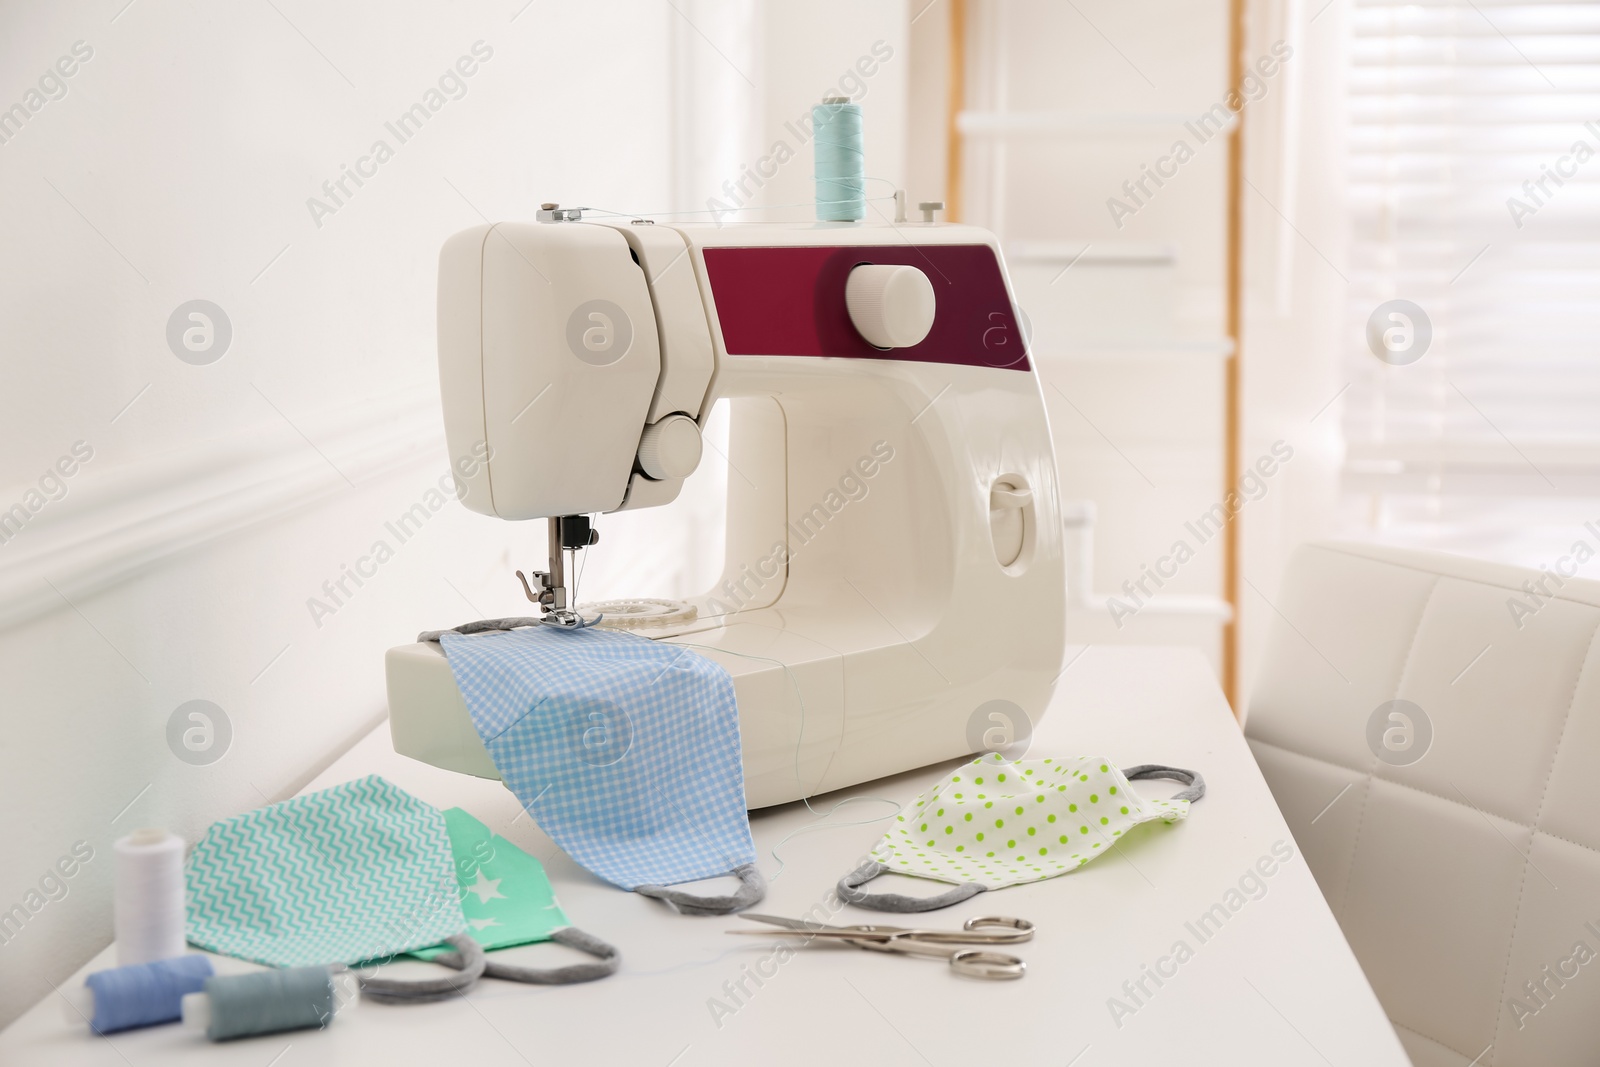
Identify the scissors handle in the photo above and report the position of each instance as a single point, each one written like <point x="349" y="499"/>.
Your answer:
<point x="979" y="963"/>
<point x="972" y="962"/>
<point x="1020" y="929"/>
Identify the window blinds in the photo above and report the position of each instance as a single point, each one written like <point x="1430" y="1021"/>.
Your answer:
<point x="1474" y="180"/>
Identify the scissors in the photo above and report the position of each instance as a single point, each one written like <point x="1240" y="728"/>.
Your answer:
<point x="977" y="963"/>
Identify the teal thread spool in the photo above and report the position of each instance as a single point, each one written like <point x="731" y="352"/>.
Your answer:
<point x="840" y="160"/>
<point x="263" y="1002"/>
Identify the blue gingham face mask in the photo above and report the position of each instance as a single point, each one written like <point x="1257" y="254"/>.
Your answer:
<point x="624" y="750"/>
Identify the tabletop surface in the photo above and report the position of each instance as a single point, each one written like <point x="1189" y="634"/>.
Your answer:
<point x="1275" y="984"/>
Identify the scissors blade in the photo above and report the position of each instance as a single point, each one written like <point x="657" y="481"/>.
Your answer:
<point x="849" y="937"/>
<point x="802" y="925"/>
<point x="818" y="930"/>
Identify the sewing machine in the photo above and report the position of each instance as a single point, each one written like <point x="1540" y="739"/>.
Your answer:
<point x="894" y="591"/>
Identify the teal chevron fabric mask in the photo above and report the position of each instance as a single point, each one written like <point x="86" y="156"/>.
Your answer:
<point x="358" y="872"/>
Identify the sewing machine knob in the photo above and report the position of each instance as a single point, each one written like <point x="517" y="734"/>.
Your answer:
<point x="890" y="306"/>
<point x="670" y="448"/>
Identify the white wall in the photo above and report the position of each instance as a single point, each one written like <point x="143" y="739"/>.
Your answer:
<point x="839" y="46"/>
<point x="179" y="563"/>
<point x="806" y="51"/>
<point x="1295" y="259"/>
<point x="219" y="499"/>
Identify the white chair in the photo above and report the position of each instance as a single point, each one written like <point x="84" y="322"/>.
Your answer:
<point x="1467" y="881"/>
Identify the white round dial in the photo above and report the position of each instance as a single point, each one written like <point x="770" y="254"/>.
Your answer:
<point x="891" y="306"/>
<point x="670" y="448"/>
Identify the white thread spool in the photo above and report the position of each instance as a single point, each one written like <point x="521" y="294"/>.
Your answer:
<point x="149" y="905"/>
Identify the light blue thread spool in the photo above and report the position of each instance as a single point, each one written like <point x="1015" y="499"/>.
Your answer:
<point x="840" y="160"/>
<point x="142" y="994"/>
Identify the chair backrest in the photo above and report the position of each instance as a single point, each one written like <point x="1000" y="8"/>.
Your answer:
<point x="1456" y="835"/>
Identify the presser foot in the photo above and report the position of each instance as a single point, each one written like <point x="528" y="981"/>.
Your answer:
<point x="564" y="619"/>
<point x="561" y="618"/>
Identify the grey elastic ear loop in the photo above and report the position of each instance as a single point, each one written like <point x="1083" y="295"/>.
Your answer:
<point x="850" y="891"/>
<point x="482" y="626"/>
<point x="608" y="959"/>
<point x="751" y="889"/>
<point x="400" y="991"/>
<point x="1196" y="784"/>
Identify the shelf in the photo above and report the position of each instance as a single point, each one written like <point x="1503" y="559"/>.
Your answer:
<point x="1080" y="124"/>
<point x="1168" y="606"/>
<point x="1093" y="253"/>
<point x="1221" y="348"/>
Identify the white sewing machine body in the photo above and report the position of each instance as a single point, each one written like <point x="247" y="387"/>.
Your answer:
<point x="894" y="539"/>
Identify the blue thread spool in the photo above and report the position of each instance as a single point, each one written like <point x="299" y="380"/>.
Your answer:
<point x="142" y="994"/>
<point x="264" y="1002"/>
<point x="840" y="160"/>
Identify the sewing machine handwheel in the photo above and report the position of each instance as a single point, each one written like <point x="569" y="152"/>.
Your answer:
<point x="670" y="448"/>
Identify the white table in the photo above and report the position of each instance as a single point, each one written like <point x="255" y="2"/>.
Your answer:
<point x="1276" y="985"/>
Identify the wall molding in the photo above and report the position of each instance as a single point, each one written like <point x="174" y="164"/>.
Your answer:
<point x="119" y="522"/>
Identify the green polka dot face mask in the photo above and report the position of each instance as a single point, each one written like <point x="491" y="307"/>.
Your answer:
<point x="994" y="823"/>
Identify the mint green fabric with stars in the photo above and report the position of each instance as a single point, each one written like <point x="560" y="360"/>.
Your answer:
<point x="994" y="823"/>
<point x="508" y="900"/>
<point x="505" y="895"/>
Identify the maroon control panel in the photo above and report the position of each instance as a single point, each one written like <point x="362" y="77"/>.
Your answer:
<point x="790" y="302"/>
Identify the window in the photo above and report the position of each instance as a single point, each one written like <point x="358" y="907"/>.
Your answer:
<point x="1474" y="169"/>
